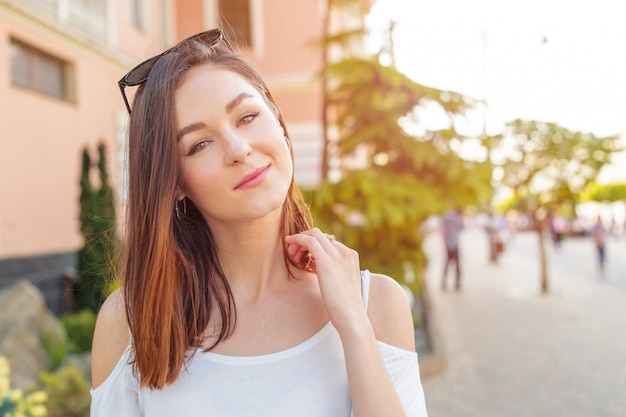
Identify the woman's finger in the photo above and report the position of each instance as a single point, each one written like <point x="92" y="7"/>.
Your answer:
<point x="296" y="254"/>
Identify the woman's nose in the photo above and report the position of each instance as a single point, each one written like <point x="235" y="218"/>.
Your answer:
<point x="238" y="149"/>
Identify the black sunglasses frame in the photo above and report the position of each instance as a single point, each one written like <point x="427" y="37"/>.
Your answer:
<point x="139" y="74"/>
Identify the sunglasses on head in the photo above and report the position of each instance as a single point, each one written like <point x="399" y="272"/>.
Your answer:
<point x="139" y="74"/>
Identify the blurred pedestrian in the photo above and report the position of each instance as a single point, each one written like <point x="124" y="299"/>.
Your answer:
<point x="557" y="229"/>
<point x="452" y="226"/>
<point x="494" y="228"/>
<point x="599" y="233"/>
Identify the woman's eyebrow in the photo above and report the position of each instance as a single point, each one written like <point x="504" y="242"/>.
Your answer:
<point x="230" y="106"/>
<point x="190" y="128"/>
<point x="235" y="102"/>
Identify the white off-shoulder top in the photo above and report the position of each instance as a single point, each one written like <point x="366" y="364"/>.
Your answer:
<point x="307" y="380"/>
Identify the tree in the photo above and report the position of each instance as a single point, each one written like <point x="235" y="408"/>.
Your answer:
<point x="97" y="225"/>
<point x="547" y="166"/>
<point x="396" y="170"/>
<point x="604" y="192"/>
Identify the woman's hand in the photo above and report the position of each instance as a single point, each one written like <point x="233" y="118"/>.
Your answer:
<point x="338" y="271"/>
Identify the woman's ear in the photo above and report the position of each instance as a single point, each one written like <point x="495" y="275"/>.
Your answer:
<point x="180" y="195"/>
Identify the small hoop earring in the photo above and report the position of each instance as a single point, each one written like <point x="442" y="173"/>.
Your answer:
<point x="177" y="209"/>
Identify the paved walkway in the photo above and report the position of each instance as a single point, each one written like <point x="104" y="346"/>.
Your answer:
<point x="510" y="351"/>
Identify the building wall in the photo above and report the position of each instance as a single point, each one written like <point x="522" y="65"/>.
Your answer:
<point x="41" y="140"/>
<point x="42" y="137"/>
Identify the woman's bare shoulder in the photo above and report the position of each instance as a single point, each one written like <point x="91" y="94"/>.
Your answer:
<point x="110" y="338"/>
<point x="390" y="313"/>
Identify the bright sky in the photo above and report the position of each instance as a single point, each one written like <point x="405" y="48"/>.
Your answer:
<point x="494" y="49"/>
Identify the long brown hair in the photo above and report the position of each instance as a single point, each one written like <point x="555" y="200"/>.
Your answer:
<point x="173" y="280"/>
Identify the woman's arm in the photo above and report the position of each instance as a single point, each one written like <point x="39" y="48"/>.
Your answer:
<point x="338" y="270"/>
<point x="110" y="338"/>
<point x="390" y="321"/>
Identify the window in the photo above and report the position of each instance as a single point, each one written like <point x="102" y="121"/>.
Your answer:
<point x="236" y="20"/>
<point x="40" y="71"/>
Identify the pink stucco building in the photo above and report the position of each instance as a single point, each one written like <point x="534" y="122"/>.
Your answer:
<point x="60" y="61"/>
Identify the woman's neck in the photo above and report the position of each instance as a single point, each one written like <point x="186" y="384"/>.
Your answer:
<point x="251" y="256"/>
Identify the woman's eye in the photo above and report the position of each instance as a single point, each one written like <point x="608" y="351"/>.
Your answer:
<point x="198" y="147"/>
<point x="247" y="118"/>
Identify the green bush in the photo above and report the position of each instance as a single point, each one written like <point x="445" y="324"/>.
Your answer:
<point x="56" y="349"/>
<point x="80" y="327"/>
<point x="68" y="390"/>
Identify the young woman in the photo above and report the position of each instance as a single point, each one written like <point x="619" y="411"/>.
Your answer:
<point x="232" y="304"/>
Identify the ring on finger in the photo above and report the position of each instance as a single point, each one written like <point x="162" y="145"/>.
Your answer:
<point x="330" y="237"/>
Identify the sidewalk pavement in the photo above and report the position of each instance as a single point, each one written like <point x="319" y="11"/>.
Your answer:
<point x="510" y="351"/>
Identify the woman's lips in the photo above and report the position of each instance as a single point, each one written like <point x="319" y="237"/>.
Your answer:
<point x="253" y="179"/>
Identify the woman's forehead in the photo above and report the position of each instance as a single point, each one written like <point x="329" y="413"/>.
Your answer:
<point x="207" y="87"/>
<point x="216" y="77"/>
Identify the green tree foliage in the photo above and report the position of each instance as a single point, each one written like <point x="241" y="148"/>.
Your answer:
<point x="604" y="192"/>
<point x="391" y="180"/>
<point x="97" y="225"/>
<point x="548" y="166"/>
<point x="550" y="163"/>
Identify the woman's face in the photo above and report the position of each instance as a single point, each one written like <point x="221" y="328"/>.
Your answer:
<point x="236" y="164"/>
